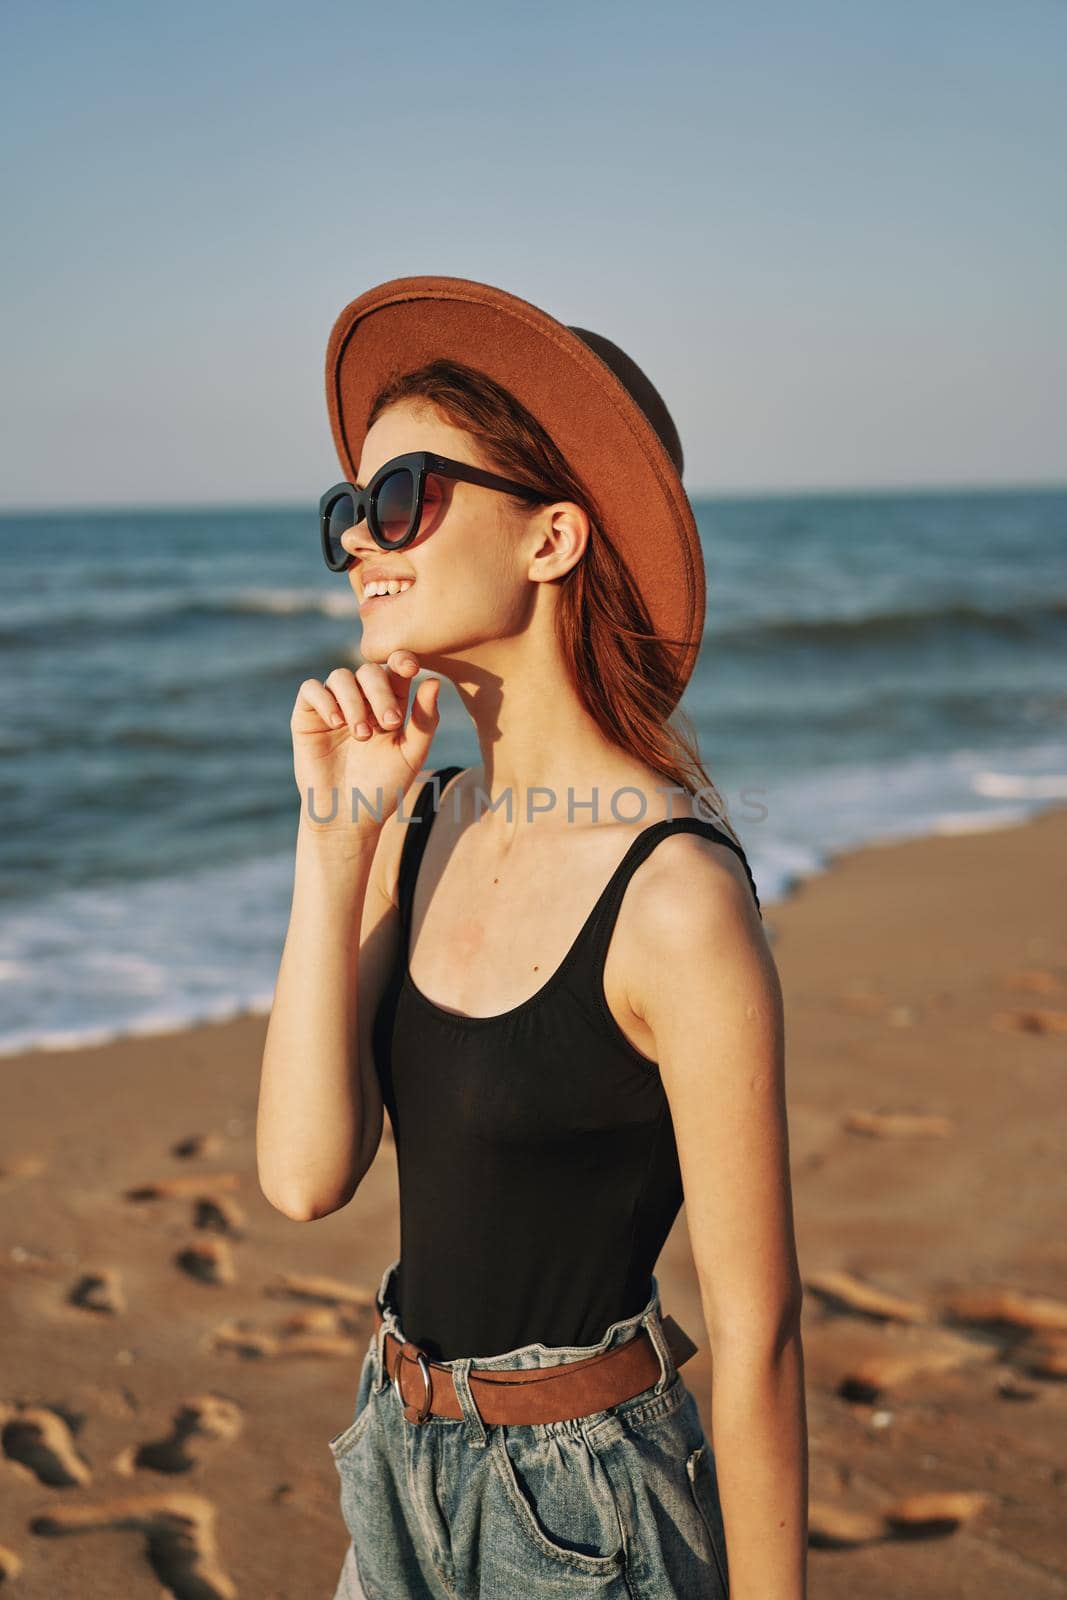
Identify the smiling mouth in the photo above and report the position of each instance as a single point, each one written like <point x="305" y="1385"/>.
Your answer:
<point x="374" y="599"/>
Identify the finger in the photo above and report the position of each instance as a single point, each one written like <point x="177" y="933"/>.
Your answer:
<point x="403" y="667"/>
<point x="342" y="681"/>
<point x="400" y="666"/>
<point x="386" y="692"/>
<point x="422" y="724"/>
<point x="313" y="700"/>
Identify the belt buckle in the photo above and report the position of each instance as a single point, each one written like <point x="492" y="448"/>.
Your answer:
<point x="419" y="1356"/>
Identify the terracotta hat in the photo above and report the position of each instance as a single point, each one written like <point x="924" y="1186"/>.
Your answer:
<point x="597" y="405"/>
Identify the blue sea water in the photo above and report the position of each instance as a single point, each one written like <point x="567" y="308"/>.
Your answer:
<point x="874" y="666"/>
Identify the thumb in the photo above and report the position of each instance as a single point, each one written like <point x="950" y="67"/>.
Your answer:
<point x="422" y="723"/>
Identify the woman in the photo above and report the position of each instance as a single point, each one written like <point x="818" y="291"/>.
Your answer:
<point x="551" y="969"/>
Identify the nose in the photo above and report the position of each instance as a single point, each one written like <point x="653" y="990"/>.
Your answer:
<point x="350" y="541"/>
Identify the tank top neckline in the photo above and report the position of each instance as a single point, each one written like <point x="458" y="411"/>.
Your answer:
<point x="461" y="1019"/>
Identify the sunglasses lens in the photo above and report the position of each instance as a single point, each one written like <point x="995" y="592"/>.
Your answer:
<point x="341" y="517"/>
<point x="395" y="504"/>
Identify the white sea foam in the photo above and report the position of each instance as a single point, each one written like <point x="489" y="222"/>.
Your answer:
<point x="952" y="822"/>
<point x="119" y="608"/>
<point x="88" y="965"/>
<point x="1021" y="786"/>
<point x="339" y="602"/>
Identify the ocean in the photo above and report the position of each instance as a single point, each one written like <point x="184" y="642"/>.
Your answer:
<point x="875" y="666"/>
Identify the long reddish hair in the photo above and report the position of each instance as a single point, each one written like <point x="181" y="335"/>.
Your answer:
<point x="619" y="667"/>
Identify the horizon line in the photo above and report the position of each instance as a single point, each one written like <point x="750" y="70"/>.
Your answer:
<point x="825" y="492"/>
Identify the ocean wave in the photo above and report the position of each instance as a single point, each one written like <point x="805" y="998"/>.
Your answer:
<point x="22" y="625"/>
<point x="295" y="602"/>
<point x="1021" y="785"/>
<point x="84" y="965"/>
<point x="1024" y="620"/>
<point x="174" y="1019"/>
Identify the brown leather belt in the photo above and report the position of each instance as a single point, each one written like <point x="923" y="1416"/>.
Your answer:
<point x="535" y="1394"/>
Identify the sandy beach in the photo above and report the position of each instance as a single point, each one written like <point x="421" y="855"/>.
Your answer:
<point x="176" y="1354"/>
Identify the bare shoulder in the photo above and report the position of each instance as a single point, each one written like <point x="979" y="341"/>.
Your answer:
<point x="692" y="930"/>
<point x="695" y="946"/>
<point x="692" y="884"/>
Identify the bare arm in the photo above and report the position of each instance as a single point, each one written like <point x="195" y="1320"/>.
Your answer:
<point x="706" y="984"/>
<point x="320" y="1111"/>
<point x="319" y="1119"/>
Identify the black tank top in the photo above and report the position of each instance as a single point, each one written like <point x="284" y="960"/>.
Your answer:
<point x="537" y="1166"/>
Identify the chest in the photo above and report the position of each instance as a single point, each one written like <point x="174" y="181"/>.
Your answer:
<point x="491" y="931"/>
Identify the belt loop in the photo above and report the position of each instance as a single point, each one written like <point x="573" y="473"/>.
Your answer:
<point x="381" y="1378"/>
<point x="653" y="1326"/>
<point x="475" y="1429"/>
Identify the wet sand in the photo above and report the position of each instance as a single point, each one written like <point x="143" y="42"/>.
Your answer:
<point x="176" y="1354"/>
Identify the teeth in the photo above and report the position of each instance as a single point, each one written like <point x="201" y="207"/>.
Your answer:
<point x="392" y="586"/>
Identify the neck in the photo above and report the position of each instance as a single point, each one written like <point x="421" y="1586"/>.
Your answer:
<point x="535" y="734"/>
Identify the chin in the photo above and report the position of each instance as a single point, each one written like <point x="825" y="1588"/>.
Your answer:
<point x="379" y="642"/>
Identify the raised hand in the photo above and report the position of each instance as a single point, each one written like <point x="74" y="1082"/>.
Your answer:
<point x="353" y="732"/>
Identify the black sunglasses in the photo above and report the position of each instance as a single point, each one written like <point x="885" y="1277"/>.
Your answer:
<point x="394" y="500"/>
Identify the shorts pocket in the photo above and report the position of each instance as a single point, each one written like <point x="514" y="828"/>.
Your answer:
<point x="705" y="1490"/>
<point x="344" y="1442"/>
<point x="560" y="1499"/>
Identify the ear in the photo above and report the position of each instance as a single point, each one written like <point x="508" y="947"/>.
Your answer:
<point x="560" y="535"/>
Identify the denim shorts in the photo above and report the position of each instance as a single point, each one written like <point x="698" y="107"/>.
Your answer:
<point x="622" y="1504"/>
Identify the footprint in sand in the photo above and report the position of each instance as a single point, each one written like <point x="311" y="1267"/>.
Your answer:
<point x="997" y="1309"/>
<point x="897" y="1124"/>
<point x="214" y="1209"/>
<point x="41" y="1441"/>
<point x="322" y="1331"/>
<point x="323" y="1290"/>
<point x="1043" y="1356"/>
<point x="10" y="1563"/>
<point x="869" y="1374"/>
<point x="219" y="1213"/>
<point x="1032" y="1329"/>
<point x="1027" y="1331"/>
<point x="843" y="1291"/>
<point x="198" y="1144"/>
<point x="99" y="1291"/>
<point x="179" y="1532"/>
<point x="208" y="1261"/>
<point x="198" y="1426"/>
<point x="1031" y="1021"/>
<point x="833" y="1527"/>
<point x="186" y="1186"/>
<point x="918" y="1516"/>
<point x="931" y="1516"/>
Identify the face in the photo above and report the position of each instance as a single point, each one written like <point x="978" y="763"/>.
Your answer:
<point x="468" y="569"/>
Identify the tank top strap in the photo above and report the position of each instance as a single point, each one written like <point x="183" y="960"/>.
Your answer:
<point x="416" y="832"/>
<point x="596" y="935"/>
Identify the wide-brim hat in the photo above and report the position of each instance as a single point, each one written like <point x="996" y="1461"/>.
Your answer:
<point x="599" y="408"/>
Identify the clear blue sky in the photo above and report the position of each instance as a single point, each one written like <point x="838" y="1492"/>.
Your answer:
<point x="833" y="234"/>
